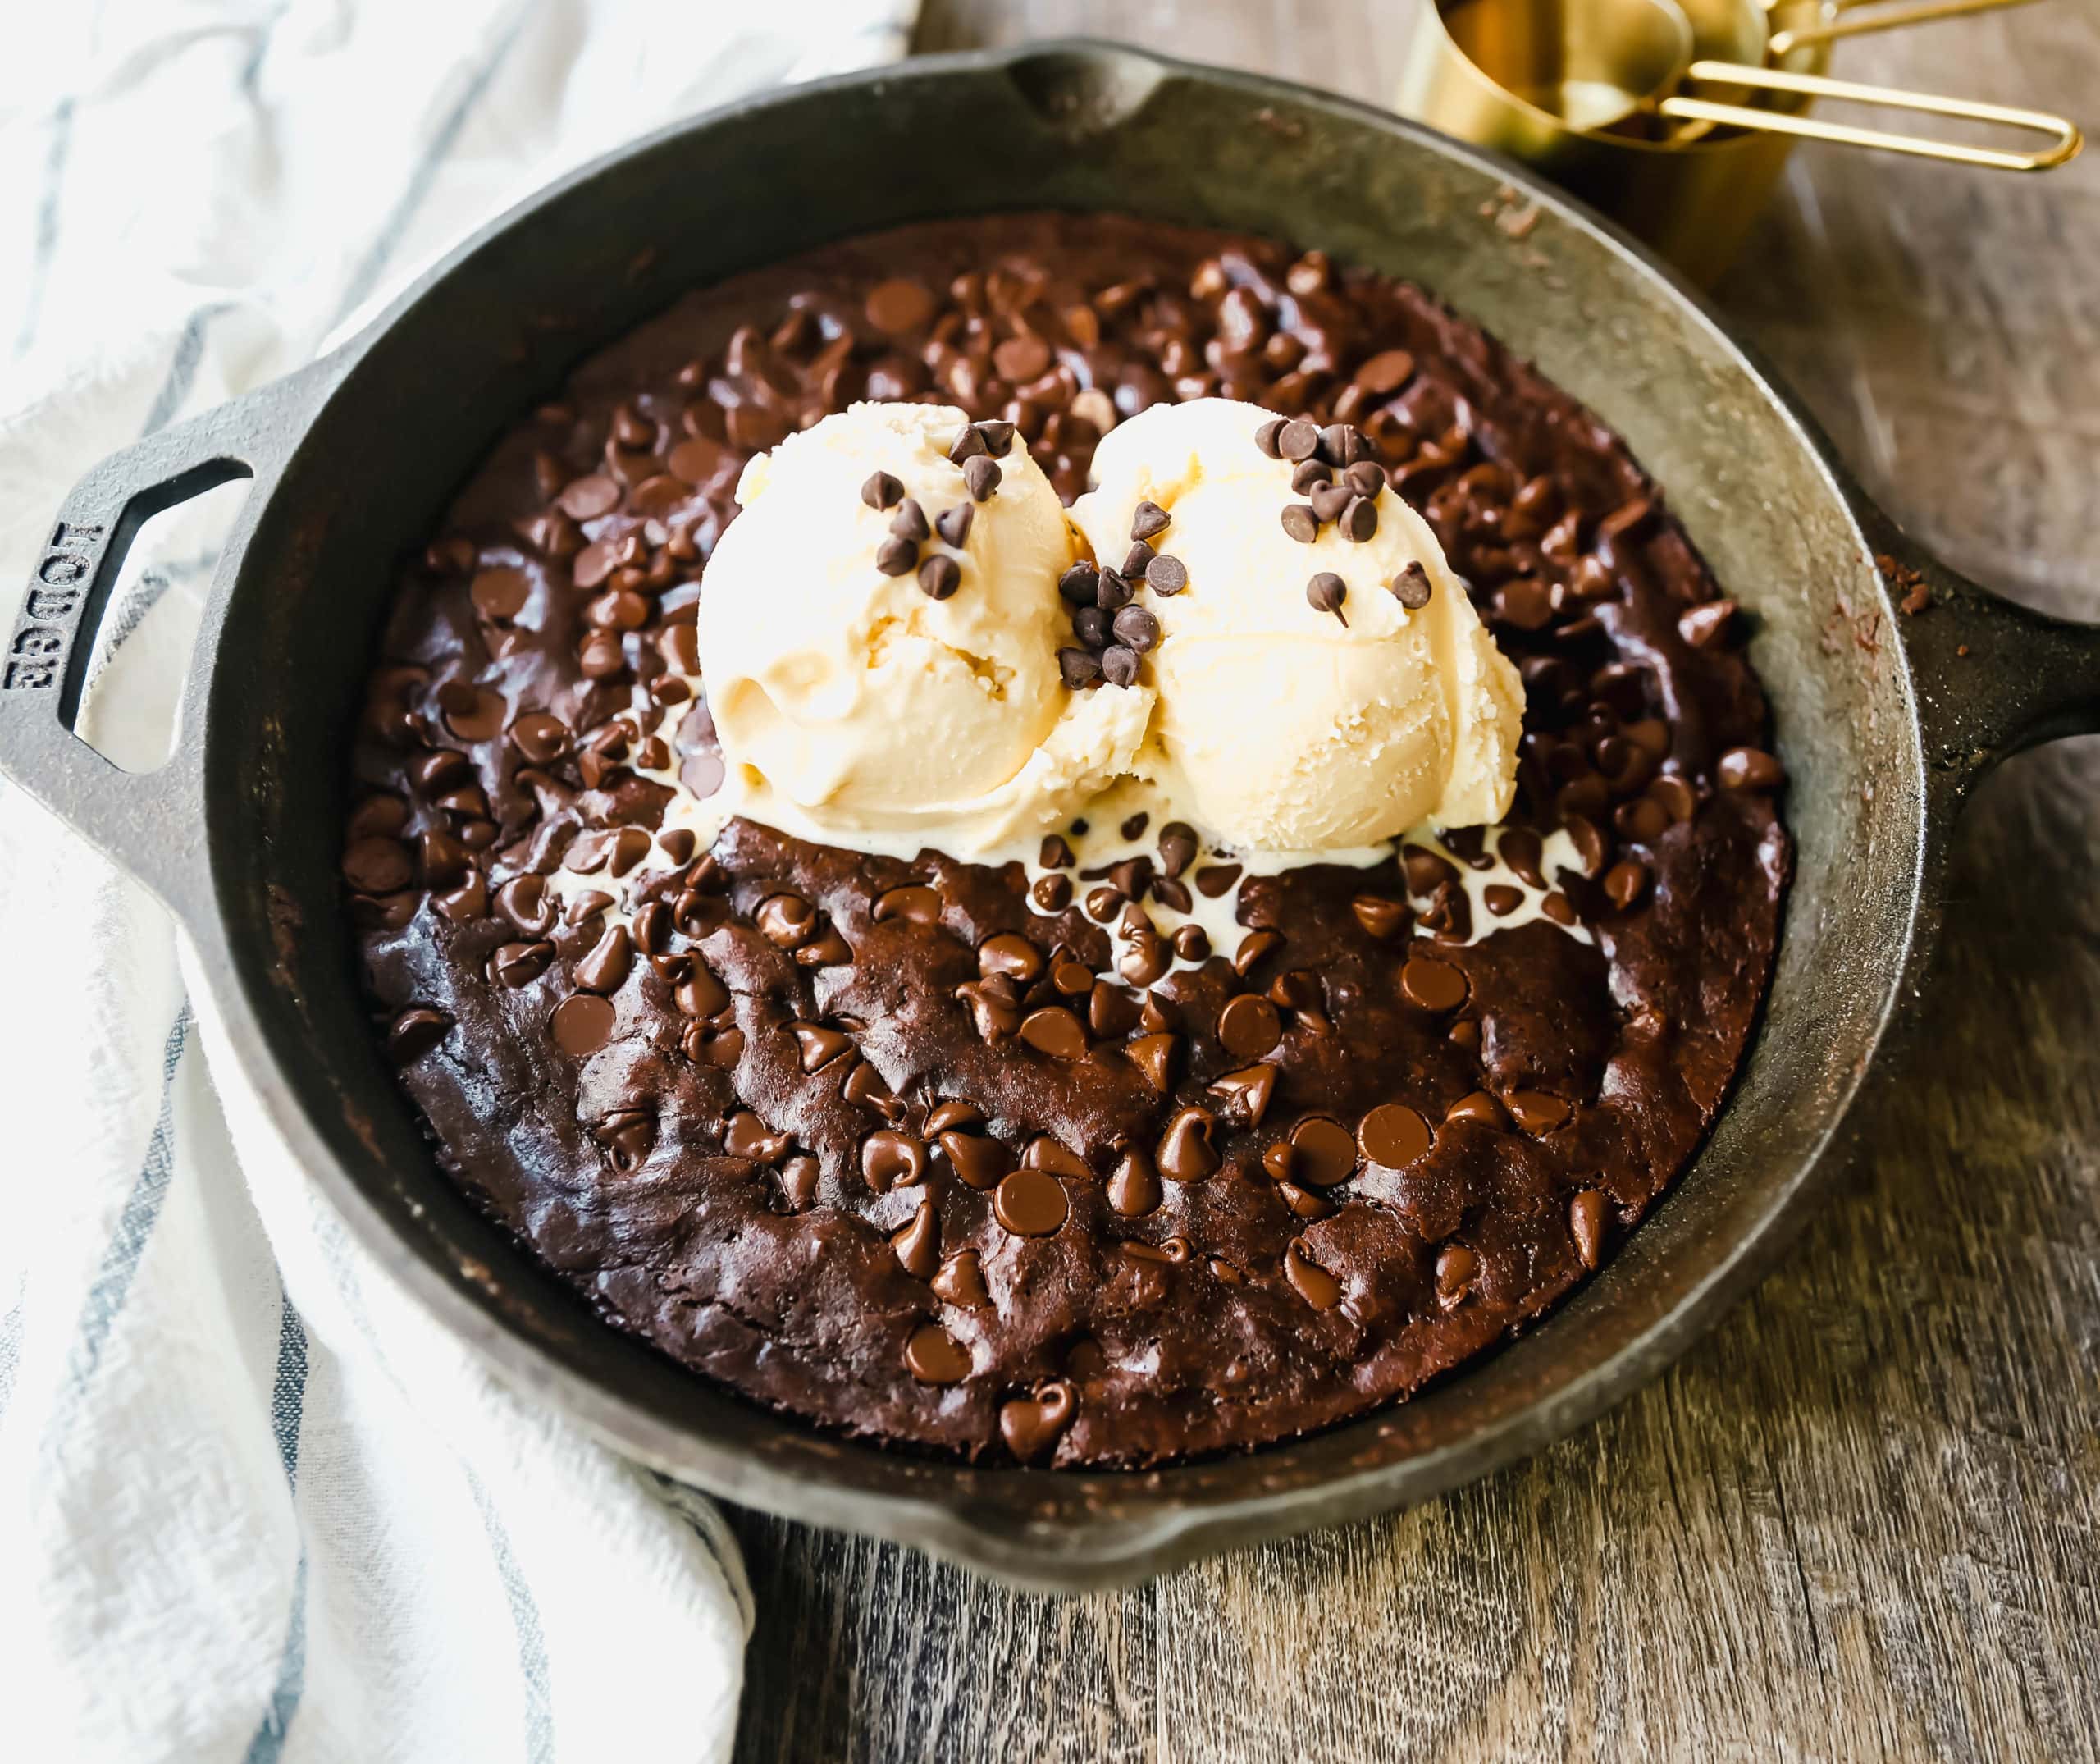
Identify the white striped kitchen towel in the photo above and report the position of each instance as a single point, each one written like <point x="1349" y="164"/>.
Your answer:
<point x="253" y="1507"/>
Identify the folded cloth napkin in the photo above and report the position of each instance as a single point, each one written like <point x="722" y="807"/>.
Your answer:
<point x="252" y="1504"/>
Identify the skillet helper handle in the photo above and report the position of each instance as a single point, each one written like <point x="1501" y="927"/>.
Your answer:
<point x="1854" y="20"/>
<point x="1993" y="678"/>
<point x="2064" y="137"/>
<point x="151" y="823"/>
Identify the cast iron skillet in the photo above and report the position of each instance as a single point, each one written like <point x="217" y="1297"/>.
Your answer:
<point x="1885" y="721"/>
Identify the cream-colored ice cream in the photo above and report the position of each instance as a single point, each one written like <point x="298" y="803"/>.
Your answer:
<point x="1278" y="725"/>
<point x="855" y="708"/>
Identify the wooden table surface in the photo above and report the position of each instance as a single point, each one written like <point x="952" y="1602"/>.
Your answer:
<point x="1862" y="1518"/>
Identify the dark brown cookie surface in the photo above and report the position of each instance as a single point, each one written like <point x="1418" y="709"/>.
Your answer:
<point x="875" y="1142"/>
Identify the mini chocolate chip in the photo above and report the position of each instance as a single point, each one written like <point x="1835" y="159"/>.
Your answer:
<point x="1078" y="584"/>
<point x="1411" y="587"/>
<point x="1149" y="519"/>
<point x="939" y="576"/>
<point x="881" y="491"/>
<point x="1078" y="668"/>
<point x="1328" y="500"/>
<point x="1119" y="666"/>
<point x="897" y="557"/>
<point x="1359" y="520"/>
<point x="1301" y="522"/>
<point x="910" y="521"/>
<point x="1136" y="629"/>
<point x="1749" y="769"/>
<point x="967" y="445"/>
<point x="1166" y="575"/>
<point x="981" y="477"/>
<point x="953" y="524"/>
<point x="1326" y="592"/>
<point x="1269" y="437"/>
<point x="1297" y="440"/>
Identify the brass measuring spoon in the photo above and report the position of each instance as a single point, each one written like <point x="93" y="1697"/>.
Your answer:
<point x="1622" y="64"/>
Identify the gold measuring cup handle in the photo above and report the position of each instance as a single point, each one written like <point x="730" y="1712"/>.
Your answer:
<point x="2066" y="139"/>
<point x="1784" y="43"/>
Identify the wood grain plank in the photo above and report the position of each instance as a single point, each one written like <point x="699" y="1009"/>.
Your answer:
<point x="1862" y="1519"/>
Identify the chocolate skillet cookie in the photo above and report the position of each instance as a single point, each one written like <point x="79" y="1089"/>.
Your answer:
<point x="952" y="1156"/>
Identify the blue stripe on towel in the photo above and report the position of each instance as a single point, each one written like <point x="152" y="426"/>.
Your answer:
<point x="287" y="1407"/>
<point x="531" y="1640"/>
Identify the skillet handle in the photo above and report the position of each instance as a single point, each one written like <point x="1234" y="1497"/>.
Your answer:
<point x="1993" y="678"/>
<point x="152" y="823"/>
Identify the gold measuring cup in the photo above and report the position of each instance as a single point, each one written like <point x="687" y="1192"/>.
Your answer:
<point x="1586" y="91"/>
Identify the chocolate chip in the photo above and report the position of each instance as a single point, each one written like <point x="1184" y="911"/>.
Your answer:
<point x="1309" y="475"/>
<point x="1119" y="666"/>
<point x="939" y="576"/>
<point x="1052" y="894"/>
<point x="1326" y="592"/>
<point x="787" y="921"/>
<point x="890" y="1159"/>
<point x="978" y="1160"/>
<point x="1186" y="1153"/>
<point x="1248" y="1026"/>
<point x="415" y="1032"/>
<point x="981" y="477"/>
<point x="700" y="994"/>
<point x="1749" y="769"/>
<point x="1215" y="881"/>
<point x="1301" y="522"/>
<point x="953" y="524"/>
<point x="1078" y="584"/>
<point x="1030" y="1425"/>
<point x="897" y="557"/>
<point x="500" y="592"/>
<point x="1090" y="625"/>
<point x="1626" y="883"/>
<point x="1153" y="1055"/>
<point x="1136" y="629"/>
<point x="1134" y="1189"/>
<point x="1297" y="440"/>
<point x="1341" y="444"/>
<point x="1586" y="1224"/>
<point x="1537" y="1112"/>
<point x="998" y="436"/>
<point x="968" y="445"/>
<point x="910" y="521"/>
<point x="1031" y="1203"/>
<point x="523" y="901"/>
<point x="1366" y="478"/>
<point x="882" y="491"/>
<point x="1253" y="947"/>
<point x="1643" y="820"/>
<point x="1137" y="560"/>
<point x="1111" y="1011"/>
<point x="1247" y="1092"/>
<point x="1411" y="587"/>
<point x="1056" y="1031"/>
<point x="582" y="1024"/>
<point x="960" y="1282"/>
<point x="1166" y="575"/>
<point x="1387" y="372"/>
<point x="1322" y="1152"/>
<point x="954" y="1113"/>
<point x="1191" y="943"/>
<point x="1359" y="520"/>
<point x="918" y="1244"/>
<point x="1392" y="1135"/>
<point x="934" y="1356"/>
<point x="1113" y="591"/>
<point x="1269" y="437"/>
<point x="1432" y="984"/>
<point x="1328" y="499"/>
<point x="376" y="865"/>
<point x="819" y="1046"/>
<point x="1149" y="518"/>
<point x="1078" y="668"/>
<point x="1707" y="626"/>
<point x="1311" y="1282"/>
<point x="605" y="967"/>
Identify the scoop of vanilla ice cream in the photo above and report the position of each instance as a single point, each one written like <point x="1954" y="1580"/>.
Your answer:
<point x="1279" y="726"/>
<point x="854" y="707"/>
